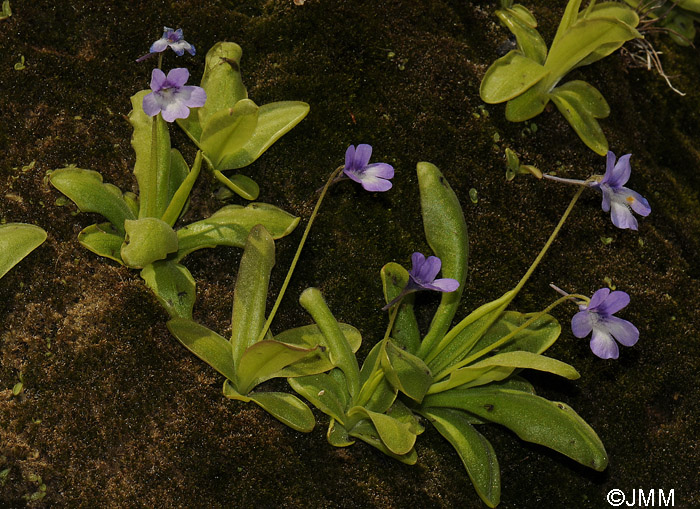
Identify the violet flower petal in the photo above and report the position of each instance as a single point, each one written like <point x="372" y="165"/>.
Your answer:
<point x="581" y="324"/>
<point x="362" y="156"/>
<point x="603" y="345"/>
<point x="612" y="303"/>
<point x="622" y="330"/>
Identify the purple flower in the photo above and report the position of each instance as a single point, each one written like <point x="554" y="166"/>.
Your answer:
<point x="620" y="199"/>
<point x="598" y="317"/>
<point x="173" y="39"/>
<point x="373" y="177"/>
<point x="170" y="97"/>
<point x="422" y="275"/>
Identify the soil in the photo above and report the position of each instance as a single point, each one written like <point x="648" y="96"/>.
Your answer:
<point x="114" y="412"/>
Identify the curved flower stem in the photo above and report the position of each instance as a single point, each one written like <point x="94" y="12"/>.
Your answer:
<point x="508" y="296"/>
<point x="544" y="249"/>
<point x="506" y="338"/>
<point x="271" y="316"/>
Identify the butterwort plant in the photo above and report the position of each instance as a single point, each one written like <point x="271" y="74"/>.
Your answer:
<point x="253" y="355"/>
<point x="529" y="77"/>
<point x="457" y="377"/>
<point x="140" y="232"/>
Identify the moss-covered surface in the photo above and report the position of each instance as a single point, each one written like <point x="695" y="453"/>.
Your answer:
<point x="116" y="413"/>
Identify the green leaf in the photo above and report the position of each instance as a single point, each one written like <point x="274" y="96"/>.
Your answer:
<point x="509" y="77"/>
<point x="530" y="42"/>
<point x="446" y="233"/>
<point x="569" y="18"/>
<point x="532" y="418"/>
<point x="310" y="336"/>
<point x="86" y="190"/>
<point x="474" y="450"/>
<point x="339" y="350"/>
<point x="250" y="292"/>
<point x="536" y="337"/>
<point x="581" y="104"/>
<point x="582" y="39"/>
<point x="173" y="286"/>
<point x="221" y="81"/>
<point x="395" y="435"/>
<point x="274" y="121"/>
<point x="324" y="392"/>
<point x="524" y="14"/>
<point x="612" y="10"/>
<point x="402" y="413"/>
<point x="587" y="97"/>
<point x="17" y="240"/>
<point x="179" y="197"/>
<point x="205" y="344"/>
<point x="365" y="431"/>
<point x="147" y="240"/>
<point x="376" y="394"/>
<point x="230" y="226"/>
<point x="287" y="409"/>
<point x="406" y="372"/>
<point x="178" y="172"/>
<point x="226" y="131"/>
<point x="264" y="360"/>
<point x="103" y="239"/>
<point x="337" y="435"/>
<point x="529" y="104"/>
<point x="455" y="345"/>
<point x="152" y="170"/>
<point x="502" y="365"/>
<point x="405" y="331"/>
<point x="243" y="186"/>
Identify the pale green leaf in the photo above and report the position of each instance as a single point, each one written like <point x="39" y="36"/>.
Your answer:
<point x="103" y="239"/>
<point x="86" y="190"/>
<point x="446" y="233"/>
<point x="324" y="392"/>
<point x="230" y="226"/>
<point x="509" y="77"/>
<point x="396" y="435"/>
<point x="250" y="291"/>
<point x="243" y="186"/>
<point x="287" y="409"/>
<point x="274" y="121"/>
<point x="339" y="350"/>
<point x="152" y="170"/>
<point x="17" y="240"/>
<point x="147" y="240"/>
<point x="264" y="360"/>
<point x="173" y="286"/>
<point x="532" y="418"/>
<point x="205" y="344"/>
<point x="227" y="130"/>
<point x="474" y="450"/>
<point x="575" y="108"/>
<point x="310" y="336"/>
<point x="405" y="331"/>
<point x="530" y="42"/>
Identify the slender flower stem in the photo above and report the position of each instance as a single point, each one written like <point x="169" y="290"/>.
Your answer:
<point x="553" y="236"/>
<point x="271" y="316"/>
<point x="563" y="180"/>
<point x="504" y="339"/>
<point x="562" y="292"/>
<point x="509" y="296"/>
<point x="160" y="60"/>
